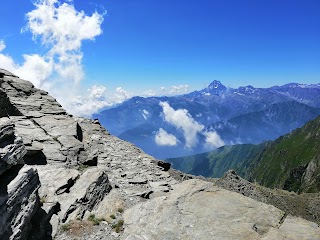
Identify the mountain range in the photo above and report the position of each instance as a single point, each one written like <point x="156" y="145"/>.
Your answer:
<point x="201" y="121"/>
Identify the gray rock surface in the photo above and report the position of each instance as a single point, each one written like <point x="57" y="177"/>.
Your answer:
<point x="12" y="148"/>
<point x="19" y="201"/>
<point x="92" y="181"/>
<point x="19" y="198"/>
<point x="200" y="210"/>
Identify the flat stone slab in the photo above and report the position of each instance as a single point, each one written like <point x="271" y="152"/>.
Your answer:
<point x="196" y="209"/>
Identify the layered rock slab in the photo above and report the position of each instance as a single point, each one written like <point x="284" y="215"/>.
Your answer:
<point x="199" y="210"/>
<point x="12" y="148"/>
<point x="19" y="201"/>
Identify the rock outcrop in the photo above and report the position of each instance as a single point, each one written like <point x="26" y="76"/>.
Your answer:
<point x="12" y="148"/>
<point x="19" y="203"/>
<point x="19" y="199"/>
<point x="96" y="186"/>
<point x="305" y="205"/>
<point x="200" y="210"/>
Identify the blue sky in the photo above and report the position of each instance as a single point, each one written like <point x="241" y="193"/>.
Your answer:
<point x="151" y="44"/>
<point x="261" y="43"/>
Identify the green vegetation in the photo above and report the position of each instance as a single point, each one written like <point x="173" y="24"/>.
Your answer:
<point x="217" y="162"/>
<point x="112" y="216"/>
<point x="285" y="160"/>
<point x="120" y="210"/>
<point x="66" y="227"/>
<point x="82" y="168"/>
<point x="43" y="200"/>
<point x="282" y="163"/>
<point x="118" y="226"/>
<point x="96" y="221"/>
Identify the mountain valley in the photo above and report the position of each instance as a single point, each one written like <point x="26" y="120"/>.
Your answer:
<point x="291" y="162"/>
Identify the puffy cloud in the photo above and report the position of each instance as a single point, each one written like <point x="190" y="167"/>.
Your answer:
<point x="61" y="29"/>
<point x="35" y="69"/>
<point x="182" y="120"/>
<point x="163" y="138"/>
<point x="62" y="26"/>
<point x="96" y="98"/>
<point x="121" y="95"/>
<point x="97" y="91"/>
<point x="213" y="139"/>
<point x="180" y="89"/>
<point x="6" y="61"/>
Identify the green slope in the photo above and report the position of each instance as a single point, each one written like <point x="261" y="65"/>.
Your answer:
<point x="291" y="162"/>
<point x="217" y="162"/>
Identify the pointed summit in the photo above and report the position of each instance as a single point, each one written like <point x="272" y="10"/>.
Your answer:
<point x="215" y="88"/>
<point x="216" y="84"/>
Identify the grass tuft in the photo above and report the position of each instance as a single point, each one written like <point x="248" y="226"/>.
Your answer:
<point x="118" y="226"/>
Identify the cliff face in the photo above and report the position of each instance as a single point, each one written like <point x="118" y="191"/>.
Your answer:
<point x="95" y="186"/>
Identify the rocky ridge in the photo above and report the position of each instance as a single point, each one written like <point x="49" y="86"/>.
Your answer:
<point x="67" y="178"/>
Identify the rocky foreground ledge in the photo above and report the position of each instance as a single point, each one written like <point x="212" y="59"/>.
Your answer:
<point x="68" y="178"/>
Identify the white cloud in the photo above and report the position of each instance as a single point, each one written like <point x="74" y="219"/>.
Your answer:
<point x="149" y="93"/>
<point x="163" y="138"/>
<point x="61" y="29"/>
<point x="97" y="98"/>
<point x="6" y="62"/>
<point x="97" y="91"/>
<point x="35" y="68"/>
<point x="182" y="120"/>
<point x="121" y="95"/>
<point x="213" y="139"/>
<point x="180" y="89"/>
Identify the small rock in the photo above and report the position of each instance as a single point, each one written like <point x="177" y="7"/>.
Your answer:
<point x="138" y="181"/>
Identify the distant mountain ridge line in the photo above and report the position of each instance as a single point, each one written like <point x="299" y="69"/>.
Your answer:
<point x="237" y="115"/>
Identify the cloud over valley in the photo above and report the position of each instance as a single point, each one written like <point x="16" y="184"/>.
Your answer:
<point x="183" y="121"/>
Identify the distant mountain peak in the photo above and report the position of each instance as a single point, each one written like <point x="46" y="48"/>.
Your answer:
<point x="215" y="88"/>
<point x="216" y="84"/>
